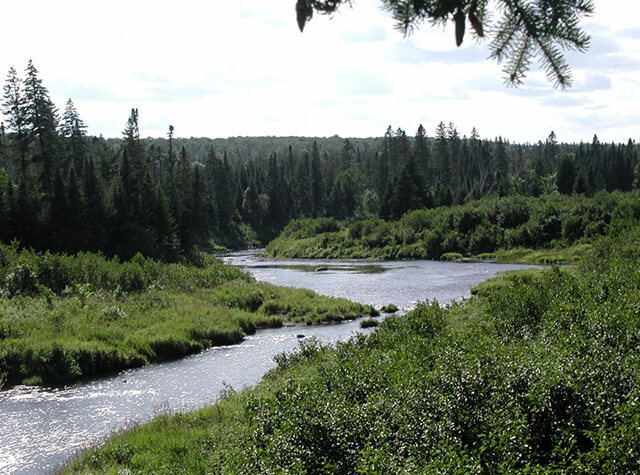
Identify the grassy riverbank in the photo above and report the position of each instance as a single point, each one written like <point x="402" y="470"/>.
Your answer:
<point x="68" y="317"/>
<point x="538" y="373"/>
<point x="516" y="229"/>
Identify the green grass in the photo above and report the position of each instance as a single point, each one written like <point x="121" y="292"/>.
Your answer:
<point x="91" y="328"/>
<point x="568" y="255"/>
<point x="369" y="323"/>
<point x="390" y="308"/>
<point x="539" y="372"/>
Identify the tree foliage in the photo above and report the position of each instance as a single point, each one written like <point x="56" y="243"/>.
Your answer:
<point x="517" y="31"/>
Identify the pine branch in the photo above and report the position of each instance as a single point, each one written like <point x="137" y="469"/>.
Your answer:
<point x="525" y="28"/>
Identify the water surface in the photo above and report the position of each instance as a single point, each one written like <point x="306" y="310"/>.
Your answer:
<point x="41" y="428"/>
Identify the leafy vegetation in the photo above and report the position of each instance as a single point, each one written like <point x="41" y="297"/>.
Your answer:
<point x="369" y="322"/>
<point x="68" y="317"/>
<point x="539" y="372"/>
<point x="558" y="227"/>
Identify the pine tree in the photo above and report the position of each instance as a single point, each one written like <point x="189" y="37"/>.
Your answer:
<point x="197" y="212"/>
<point x="14" y="106"/>
<point x="421" y="151"/>
<point x="224" y="196"/>
<point x="41" y="125"/>
<point x="566" y="176"/>
<point x="73" y="131"/>
<point x="94" y="210"/>
<point x="443" y="160"/>
<point x="76" y="228"/>
<point x="132" y="148"/>
<point x="304" y="189"/>
<point x="517" y="31"/>
<point x="501" y="165"/>
<point x="317" y="182"/>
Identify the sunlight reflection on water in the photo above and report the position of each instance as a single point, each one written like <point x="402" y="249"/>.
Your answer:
<point x="41" y="428"/>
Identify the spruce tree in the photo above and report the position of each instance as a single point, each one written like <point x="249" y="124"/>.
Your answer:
<point x="94" y="209"/>
<point x="304" y="188"/>
<point x="76" y="227"/>
<point x="501" y="166"/>
<point x="566" y="176"/>
<point x="421" y="151"/>
<point x="14" y="107"/>
<point x="73" y="132"/>
<point x="41" y="125"/>
<point x="317" y="182"/>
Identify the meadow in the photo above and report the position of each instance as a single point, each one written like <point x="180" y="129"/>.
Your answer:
<point x="64" y="317"/>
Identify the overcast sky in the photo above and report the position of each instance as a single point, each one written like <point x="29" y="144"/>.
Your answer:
<point x="241" y="67"/>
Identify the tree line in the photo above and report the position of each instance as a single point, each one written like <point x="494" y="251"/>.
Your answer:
<point x="63" y="190"/>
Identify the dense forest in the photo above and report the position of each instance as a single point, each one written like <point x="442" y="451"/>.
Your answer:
<point x="63" y="190"/>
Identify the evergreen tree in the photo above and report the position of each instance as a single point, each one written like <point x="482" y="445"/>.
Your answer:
<point x="566" y="176"/>
<point x="443" y="163"/>
<point x="14" y="106"/>
<point x="421" y="150"/>
<point x="75" y="230"/>
<point x="317" y="182"/>
<point x="94" y="210"/>
<point x="304" y="188"/>
<point x="41" y="125"/>
<point x="197" y="211"/>
<point x="73" y="131"/>
<point x="501" y="165"/>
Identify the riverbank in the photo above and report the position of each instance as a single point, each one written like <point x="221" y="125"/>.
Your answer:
<point x="65" y="318"/>
<point x="515" y="229"/>
<point x="539" y="372"/>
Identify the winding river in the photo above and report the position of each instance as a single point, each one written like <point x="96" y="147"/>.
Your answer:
<point x="42" y="428"/>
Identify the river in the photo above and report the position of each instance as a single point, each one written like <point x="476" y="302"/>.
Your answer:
<point x="42" y="428"/>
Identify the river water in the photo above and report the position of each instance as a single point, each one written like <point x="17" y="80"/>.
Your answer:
<point x="42" y="428"/>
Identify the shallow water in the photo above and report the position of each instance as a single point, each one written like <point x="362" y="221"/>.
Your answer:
<point x="41" y="428"/>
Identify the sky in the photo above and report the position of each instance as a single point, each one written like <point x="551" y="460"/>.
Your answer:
<point x="242" y="68"/>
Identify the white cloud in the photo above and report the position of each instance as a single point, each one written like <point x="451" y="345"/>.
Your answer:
<point x="243" y="68"/>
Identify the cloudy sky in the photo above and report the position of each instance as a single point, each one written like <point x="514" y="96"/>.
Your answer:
<point x="241" y="67"/>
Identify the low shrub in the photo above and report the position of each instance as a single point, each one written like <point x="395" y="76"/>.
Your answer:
<point x="368" y="323"/>
<point x="389" y="308"/>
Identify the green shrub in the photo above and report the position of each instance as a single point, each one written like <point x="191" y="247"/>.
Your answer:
<point x="451" y="256"/>
<point x="22" y="281"/>
<point x="482" y="226"/>
<point x="368" y="323"/>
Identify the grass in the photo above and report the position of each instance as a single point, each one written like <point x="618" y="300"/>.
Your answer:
<point x="369" y="323"/>
<point x="568" y="255"/>
<point x="537" y="373"/>
<point x="84" y="329"/>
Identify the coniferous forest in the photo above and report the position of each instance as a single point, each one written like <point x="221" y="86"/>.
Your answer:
<point x="63" y="190"/>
